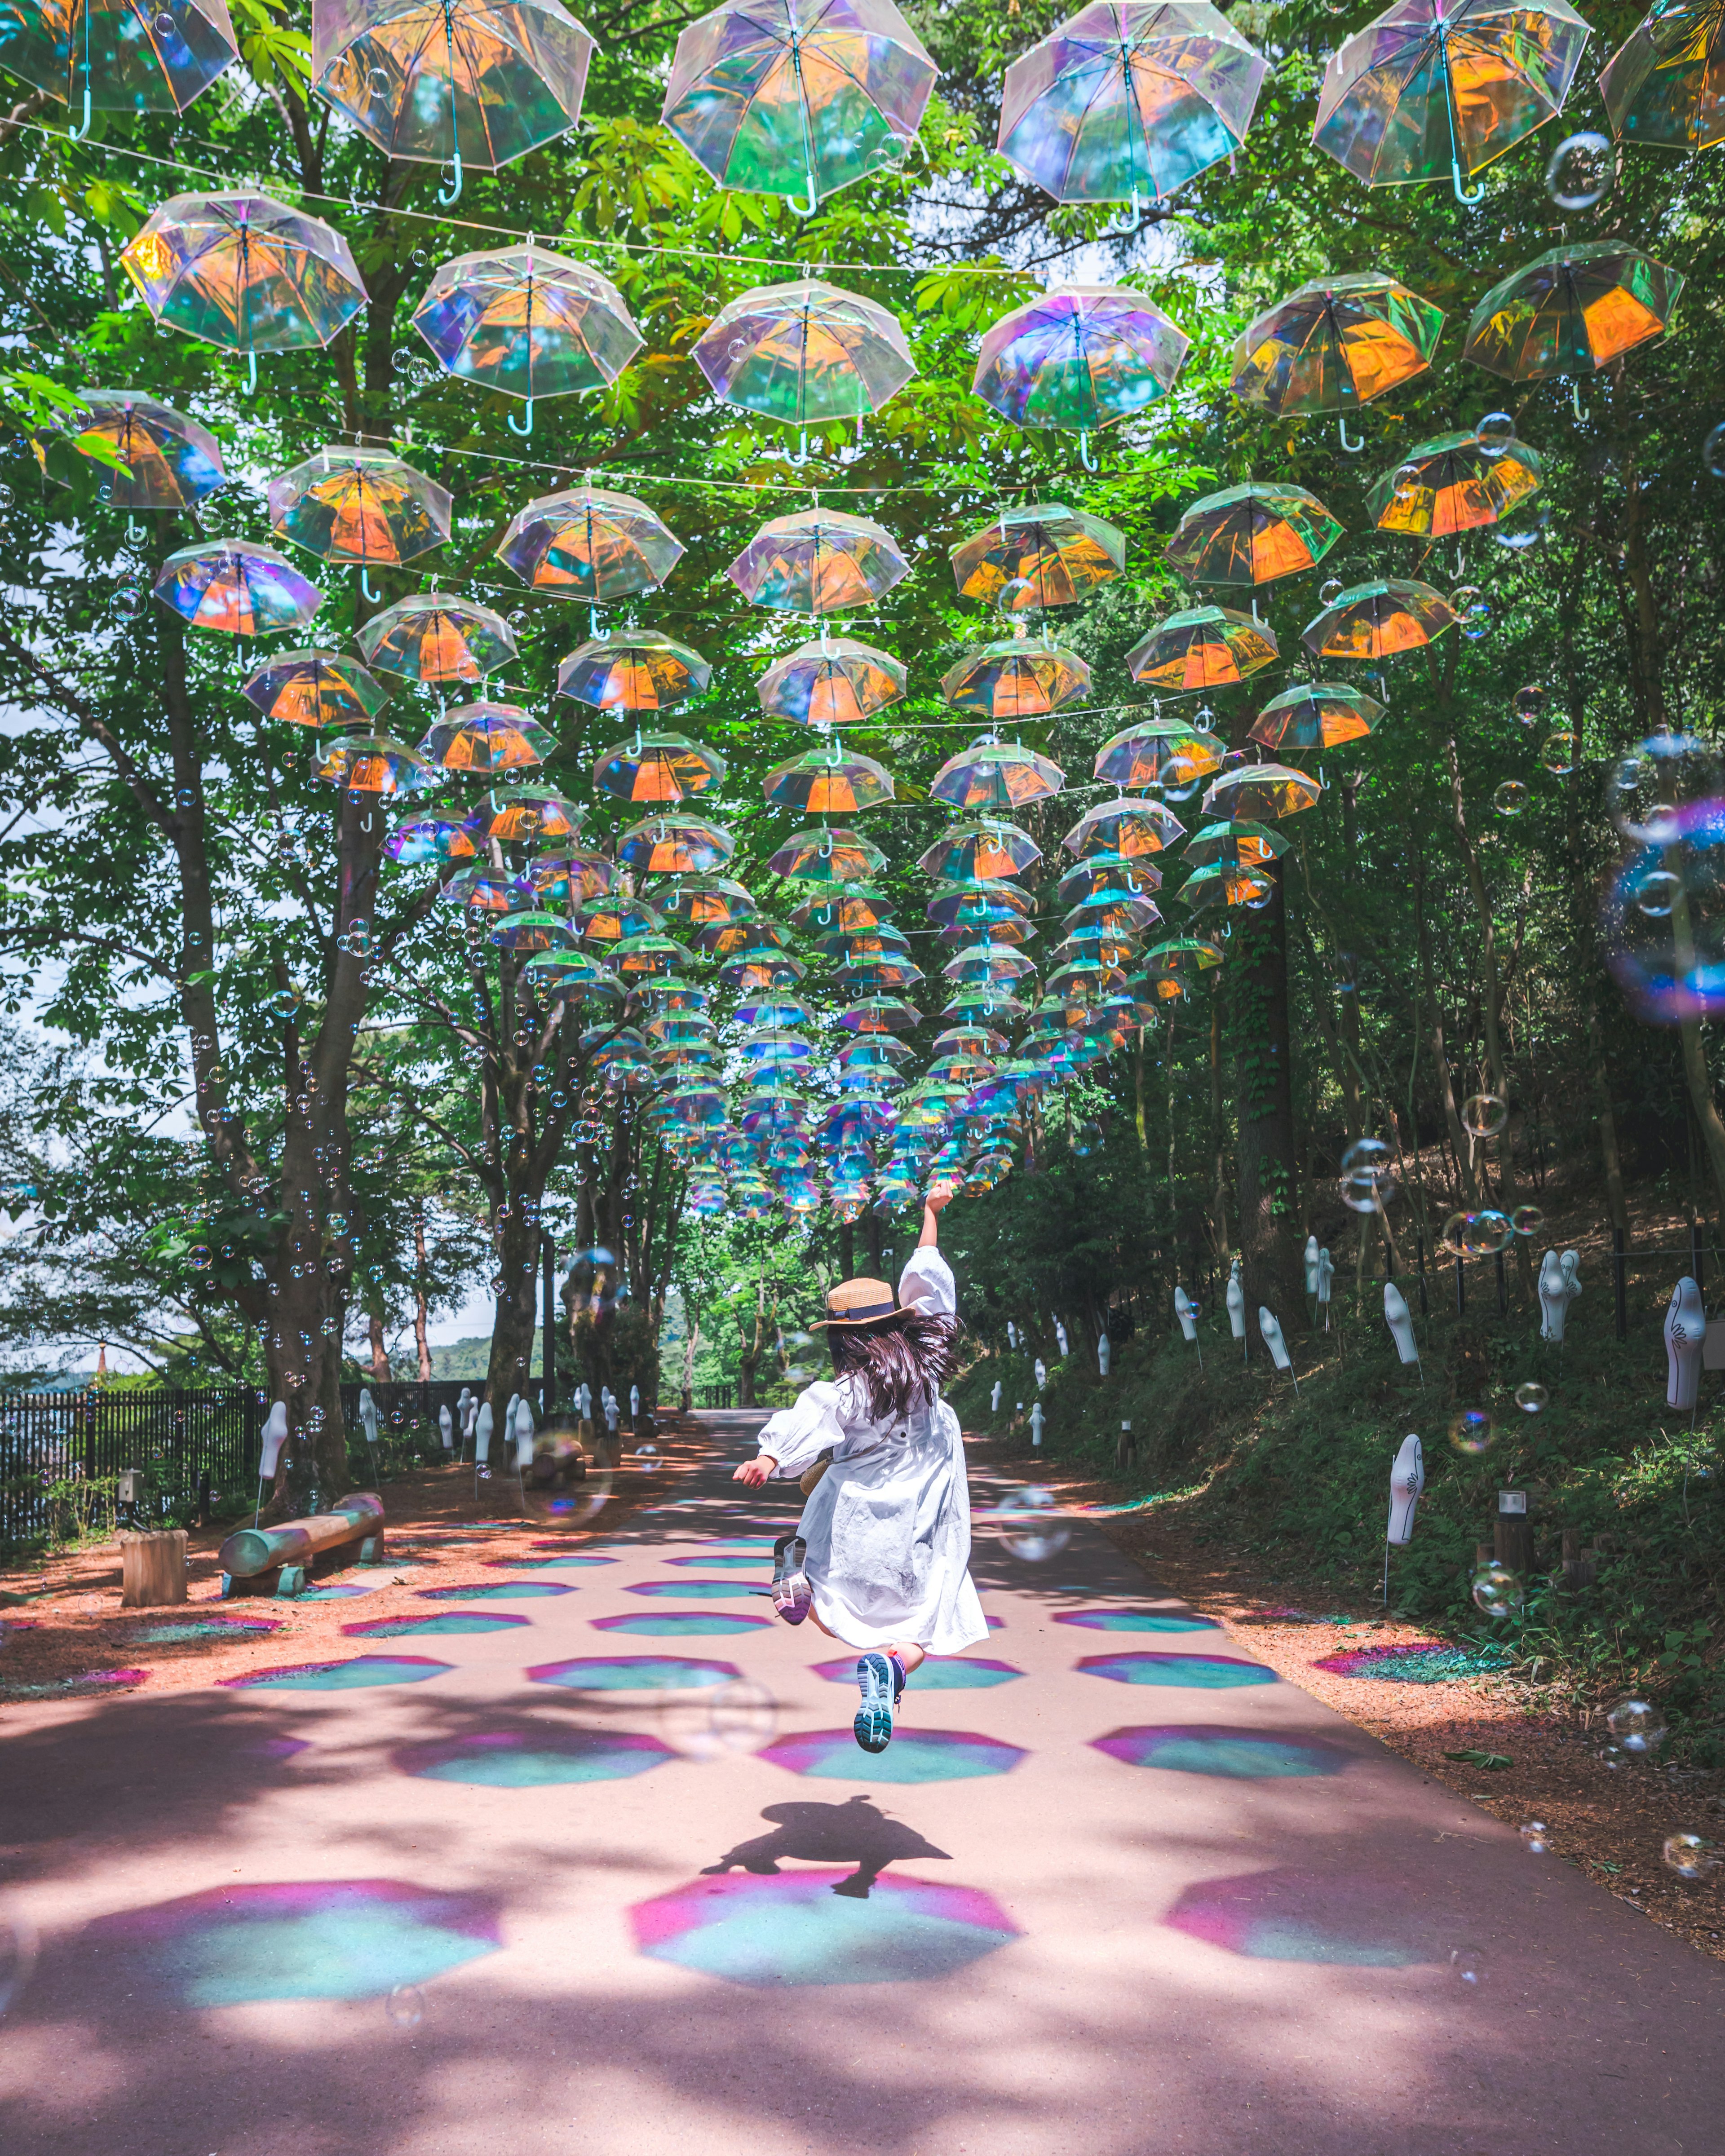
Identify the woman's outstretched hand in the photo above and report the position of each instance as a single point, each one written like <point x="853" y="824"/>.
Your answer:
<point x="755" y="1471"/>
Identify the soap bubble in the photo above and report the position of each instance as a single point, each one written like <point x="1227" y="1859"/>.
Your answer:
<point x="1530" y="704"/>
<point x="1662" y="922"/>
<point x="1495" y="431"/>
<point x="1477" y="1234"/>
<point x="1636" y="1724"/>
<point x="1331" y="590"/>
<point x="651" y="1451"/>
<point x="1531" y="1398"/>
<point x="1712" y="451"/>
<point x="1511" y="798"/>
<point x="406" y="2006"/>
<point x="1581" y="171"/>
<point x="1557" y="752"/>
<point x="1649" y="788"/>
<point x="738" y="1716"/>
<point x="1368" y="1177"/>
<point x="1612" y="1757"/>
<point x="1496" y="1590"/>
<point x="1473" y="609"/>
<point x="198" y="1257"/>
<point x="1527" y="1220"/>
<point x="1468" y="1966"/>
<point x="1658" y="893"/>
<point x="1030" y="1526"/>
<point x="1528" y="529"/>
<point x="1485" y="1115"/>
<point x="127" y="600"/>
<point x="1473" y="1432"/>
<point x="1535" y="1837"/>
<point x="1690" y="1856"/>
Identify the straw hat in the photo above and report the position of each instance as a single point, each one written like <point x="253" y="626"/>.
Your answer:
<point x="860" y="1302"/>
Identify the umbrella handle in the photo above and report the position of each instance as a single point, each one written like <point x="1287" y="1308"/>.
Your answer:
<point x="799" y="209"/>
<point x="595" y="634"/>
<point x="1465" y="196"/>
<point x="1085" y="458"/>
<point x="1575" y="403"/>
<point x="1123" y="226"/>
<point x="452" y="193"/>
<point x="1352" y="448"/>
<point x="515" y="427"/>
<point x="797" y="462"/>
<point x="78" y="133"/>
<point x="370" y="596"/>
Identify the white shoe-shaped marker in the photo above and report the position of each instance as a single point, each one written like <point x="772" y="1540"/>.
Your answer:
<point x="1187" y="1316"/>
<point x="1271" y="1327"/>
<point x="275" y="1433"/>
<point x="1559" y="1284"/>
<point x="446" y="1429"/>
<point x="1399" y="1320"/>
<point x="1236" y="1306"/>
<point x="1312" y="1257"/>
<point x="1407" y="1478"/>
<point x="482" y="1434"/>
<point x="1686" y="1326"/>
<point x="523" y="1434"/>
<point x="1326" y="1275"/>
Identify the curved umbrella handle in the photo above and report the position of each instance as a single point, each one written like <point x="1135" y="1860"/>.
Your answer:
<point x="446" y="195"/>
<point x="1085" y="458"/>
<point x="1123" y="226"/>
<point x="78" y="133"/>
<point x="251" y="372"/>
<point x="799" y="209"/>
<point x="366" y="593"/>
<point x="1352" y="448"/>
<point x="1575" y="403"/>
<point x="594" y="632"/>
<point x="1464" y="195"/>
<point x="797" y="462"/>
<point x="515" y="427"/>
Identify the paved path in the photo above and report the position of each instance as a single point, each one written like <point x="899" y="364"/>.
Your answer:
<point x="1113" y="1889"/>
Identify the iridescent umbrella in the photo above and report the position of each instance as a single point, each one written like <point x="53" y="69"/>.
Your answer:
<point x="992" y="774"/>
<point x="1086" y="981"/>
<point x="359" y="504"/>
<point x="993" y="963"/>
<point x="1109" y="875"/>
<point x="315" y="689"/>
<point x="523" y="814"/>
<point x="1129" y="99"/>
<point x="245" y="272"/>
<point x="873" y="976"/>
<point x="818" y="562"/>
<point x="1335" y="344"/>
<point x="835" y="681"/>
<point x="1203" y="648"/>
<point x="763" y="967"/>
<point x="1246" y="845"/>
<point x="726" y="940"/>
<point x="869" y="943"/>
<point x="1665" y="85"/>
<point x="1224" y="883"/>
<point x="570" y="973"/>
<point x="805" y="353"/>
<point x="597" y="546"/>
<point x="1315" y="715"/>
<point x="433" y="835"/>
<point x="1456" y="483"/>
<point x="658" y="768"/>
<point x="171" y="461"/>
<point x="373" y="763"/>
<point x="676" y="845"/>
<point x="122" y="55"/>
<point x="648" y="954"/>
<point x="770" y="1012"/>
<point x="637" y="672"/>
<point x="1436" y="86"/>
<point x="528" y="323"/>
<point x="532" y="932"/>
<point x="1082" y="356"/>
<point x="851" y="907"/>
<point x="485" y="890"/>
<point x="454" y="82"/>
<point x="431" y="636"/>
<point x="1572" y="311"/>
<point x="487" y="737"/>
<point x="707" y="901"/>
<point x="1041" y="554"/>
<point x="1106" y="943"/>
<point x="786" y="96"/>
<point x="980" y="852"/>
<point x="1110" y="914"/>
<point x="1159" y="752"/>
<point x="972" y="907"/>
<point x="1129" y="828"/>
<point x="1378" y="619"/>
<point x="1252" y="535"/>
<point x="1020" y="677"/>
<point x="831" y="855"/>
<point x="824" y="781"/>
<point x="1261" y="793"/>
<point x="878" y="1014"/>
<point x="567" y="877"/>
<point x="236" y="585"/>
<point x="612" y="920"/>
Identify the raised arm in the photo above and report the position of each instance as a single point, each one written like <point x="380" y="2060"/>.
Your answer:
<point x="926" y="1282"/>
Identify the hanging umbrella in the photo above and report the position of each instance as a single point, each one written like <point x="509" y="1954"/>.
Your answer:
<point x="1041" y="554"/>
<point x="532" y="933"/>
<point x="1110" y="914"/>
<point x="1573" y="311"/>
<point x="769" y="1014"/>
<point x="1082" y="356"/>
<point x="991" y="962"/>
<point x="453" y="82"/>
<point x="648" y="954"/>
<point x="1252" y="535"/>
<point x="804" y="354"/>
<point x="372" y="763"/>
<point x="657" y="767"/>
<point x="487" y="737"/>
<point x="567" y="877"/>
<point x="119" y="55"/>
<point x="1456" y="483"/>
<point x="878" y="1014"/>
<point x="980" y="852"/>
<point x="315" y="689"/>
<point x="236" y="585"/>
<point x="992" y="774"/>
<point x="850" y="907"/>
<point x="834" y="682"/>
<point x="1159" y="752"/>
<point x="817" y="561"/>
<point x="1203" y="647"/>
<point x="1378" y="619"/>
<point x="971" y="906"/>
<point x="1108" y="943"/>
<point x="1021" y="677"/>
<point x="822" y="782"/>
<point x="830" y="854"/>
<point x="611" y="921"/>
<point x="1261" y="793"/>
<point x="1335" y="344"/>
<point x="433" y="836"/>
<point x="359" y="504"/>
<point x="1432" y="86"/>
<point x="1224" y="883"/>
<point x="1130" y="829"/>
<point x="1010" y="931"/>
<point x="431" y="636"/>
<point x="873" y="976"/>
<point x="171" y="461"/>
<point x="528" y="323"/>
<point x="732" y="939"/>
<point x="1108" y="876"/>
<point x="676" y="845"/>
<point x="1129" y="99"/>
<point x="524" y="814"/>
<point x="639" y="673"/>
<point x="596" y="546"/>
<point x="1246" y="845"/>
<point x="245" y="272"/>
<point x="869" y="943"/>
<point x="707" y="901"/>
<point x="1665" y="85"/>
<point x="1314" y="714"/>
<point x="797" y="97"/>
<point x="483" y="890"/>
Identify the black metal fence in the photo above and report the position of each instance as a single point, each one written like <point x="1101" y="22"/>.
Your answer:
<point x="51" y="1444"/>
<point x="715" y="1396"/>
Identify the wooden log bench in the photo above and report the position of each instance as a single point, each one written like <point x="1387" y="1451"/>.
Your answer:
<point x="281" y="1560"/>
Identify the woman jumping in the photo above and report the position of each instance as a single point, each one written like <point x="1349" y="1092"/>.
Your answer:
<point x="881" y="1554"/>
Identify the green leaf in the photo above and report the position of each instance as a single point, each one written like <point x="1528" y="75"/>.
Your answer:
<point x="1488" y="1762"/>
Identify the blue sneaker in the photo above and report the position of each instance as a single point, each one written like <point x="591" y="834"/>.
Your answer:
<point x="873" y="1725"/>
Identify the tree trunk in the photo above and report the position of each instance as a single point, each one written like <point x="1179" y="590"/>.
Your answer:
<point x="380" y="1354"/>
<point x="1219" y="1132"/>
<point x="513" y="1325"/>
<point x="419" y="1260"/>
<point x="1274" y="1271"/>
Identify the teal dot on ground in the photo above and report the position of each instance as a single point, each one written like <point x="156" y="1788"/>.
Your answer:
<point x="680" y="1624"/>
<point x="693" y="1590"/>
<point x="1136" y="1620"/>
<point x="1235" y="1755"/>
<point x="354" y="1676"/>
<point x="927" y="1755"/>
<point x="958" y="1673"/>
<point x="725" y="1563"/>
<point x="498" y="1590"/>
<point x="342" y="1591"/>
<point x="445" y="1622"/>
<point x="1193" y="1672"/>
<point x="516" y="1760"/>
<point x="635" y="1673"/>
<point x="172" y="1633"/>
<point x="545" y="1563"/>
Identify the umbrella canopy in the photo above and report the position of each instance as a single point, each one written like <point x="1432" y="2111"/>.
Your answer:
<point x="830" y="854"/>
<point x="171" y="461"/>
<point x="805" y="353"/>
<point x="236" y="585"/>
<point x="980" y="852"/>
<point x="851" y="907"/>
<point x="1224" y="883"/>
<point x="1665" y="85"/>
<point x="373" y="763"/>
<point x="637" y="672"/>
<point x="1129" y="828"/>
<point x="1431" y="87"/>
<point x="483" y="890"/>
<point x="1378" y="619"/>
<point x="870" y="976"/>
<point x="524" y="814"/>
<point x="1109" y="875"/>
<point x="1082" y="356"/>
<point x="243" y="271"/>
<point x="1456" y="483"/>
<point x="707" y="901"/>
<point x="994" y="774"/>
<point x="433" y="836"/>
<point x="658" y="768"/>
<point x="771" y="1013"/>
<point x="122" y="55"/>
<point x="532" y="932"/>
<point x="1314" y="714"/>
<point x="797" y="97"/>
<point x="972" y="907"/>
<point x="609" y="921"/>
<point x="1041" y="554"/>
<point x="676" y="845"/>
<point x="567" y="877"/>
<point x="878" y="1014"/>
<point x="315" y="689"/>
<point x="359" y="504"/>
<point x="1247" y="845"/>
<point x="1261" y="793"/>
<point x="1252" y="535"/>
<point x="431" y="636"/>
<point x="1020" y="677"/>
<point x="869" y="943"/>
<point x="459" y="82"/>
<point x="648" y="954"/>
<point x="487" y="737"/>
<point x="835" y="681"/>
<point x="822" y="782"/>
<point x="1573" y="311"/>
<point x="1158" y="752"/>
<point x="818" y="562"/>
<point x="1335" y="344"/>
<point x="1203" y="648"/>
<point x="1110" y="914"/>
<point x="592" y="544"/>
<point x="745" y="937"/>
<point x="987" y="963"/>
<point x="1129" y="98"/>
<point x="528" y="322"/>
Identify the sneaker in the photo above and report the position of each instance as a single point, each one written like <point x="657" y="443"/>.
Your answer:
<point x="792" y="1595"/>
<point x="873" y="1725"/>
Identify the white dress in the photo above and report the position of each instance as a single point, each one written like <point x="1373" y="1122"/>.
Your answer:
<point x="888" y="1525"/>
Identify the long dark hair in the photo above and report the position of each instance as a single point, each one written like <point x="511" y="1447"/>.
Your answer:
<point x="899" y="1362"/>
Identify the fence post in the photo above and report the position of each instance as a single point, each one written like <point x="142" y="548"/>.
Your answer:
<point x="1695" y="1253"/>
<point x="1460" y="1290"/>
<point x="1419" y="1260"/>
<point x="548" y="1390"/>
<point x="1617" y="1270"/>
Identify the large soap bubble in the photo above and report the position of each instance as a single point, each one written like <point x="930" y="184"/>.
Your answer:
<point x="1662" y="919"/>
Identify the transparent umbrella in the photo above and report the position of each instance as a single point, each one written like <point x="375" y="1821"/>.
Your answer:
<point x="597" y="546"/>
<point x="362" y="505"/>
<point x="172" y="462"/>
<point x="315" y="689"/>
<point x="431" y="636"/>
<point x="1082" y="356"/>
<point x="1041" y="554"/>
<point x="119" y="55"/>
<point x="833" y="681"/>
<point x="236" y="585"/>
<point x="805" y="353"/>
<point x="1333" y="345"/>
<point x="1665" y="85"/>
<point x="818" y="562"/>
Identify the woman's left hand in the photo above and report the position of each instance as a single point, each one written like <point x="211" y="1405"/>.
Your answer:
<point x="755" y="1471"/>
